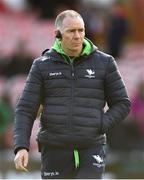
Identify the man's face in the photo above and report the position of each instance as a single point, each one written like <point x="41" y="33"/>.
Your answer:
<point x="73" y="33"/>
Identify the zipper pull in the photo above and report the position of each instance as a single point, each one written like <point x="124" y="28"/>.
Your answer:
<point x="76" y="158"/>
<point x="72" y="73"/>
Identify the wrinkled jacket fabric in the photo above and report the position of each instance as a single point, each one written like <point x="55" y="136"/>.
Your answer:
<point x="73" y="98"/>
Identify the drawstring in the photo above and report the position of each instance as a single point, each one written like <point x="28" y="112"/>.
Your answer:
<point x="76" y="158"/>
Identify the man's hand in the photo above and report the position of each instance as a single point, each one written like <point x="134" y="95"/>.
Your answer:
<point x="21" y="160"/>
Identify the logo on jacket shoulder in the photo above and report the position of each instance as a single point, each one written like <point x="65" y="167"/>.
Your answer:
<point x="45" y="58"/>
<point x="90" y="73"/>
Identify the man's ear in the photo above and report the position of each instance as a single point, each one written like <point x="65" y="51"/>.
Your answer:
<point x="58" y="34"/>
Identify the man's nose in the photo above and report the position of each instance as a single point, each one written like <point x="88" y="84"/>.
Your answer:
<point x="77" y="34"/>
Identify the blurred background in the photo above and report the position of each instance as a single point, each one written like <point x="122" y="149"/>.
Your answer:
<point x="116" y="27"/>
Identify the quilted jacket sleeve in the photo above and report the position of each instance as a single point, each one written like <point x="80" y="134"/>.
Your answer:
<point x="27" y="107"/>
<point x="116" y="97"/>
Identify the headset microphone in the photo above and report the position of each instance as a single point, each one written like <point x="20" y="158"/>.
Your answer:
<point x="58" y="35"/>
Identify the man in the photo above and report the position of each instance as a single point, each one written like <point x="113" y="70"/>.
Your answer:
<point x="73" y="81"/>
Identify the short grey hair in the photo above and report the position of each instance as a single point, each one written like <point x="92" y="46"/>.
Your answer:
<point x="60" y="17"/>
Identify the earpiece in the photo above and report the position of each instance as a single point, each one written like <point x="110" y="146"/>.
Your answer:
<point x="58" y="35"/>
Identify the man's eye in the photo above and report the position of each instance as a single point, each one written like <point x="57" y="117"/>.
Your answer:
<point x="72" y="30"/>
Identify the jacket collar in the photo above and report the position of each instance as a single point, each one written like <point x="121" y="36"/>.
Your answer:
<point x="88" y="47"/>
<point x="57" y="54"/>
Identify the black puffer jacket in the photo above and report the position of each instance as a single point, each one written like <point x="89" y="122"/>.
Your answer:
<point x="73" y="97"/>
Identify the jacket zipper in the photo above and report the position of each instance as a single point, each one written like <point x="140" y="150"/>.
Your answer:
<point x="72" y="95"/>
